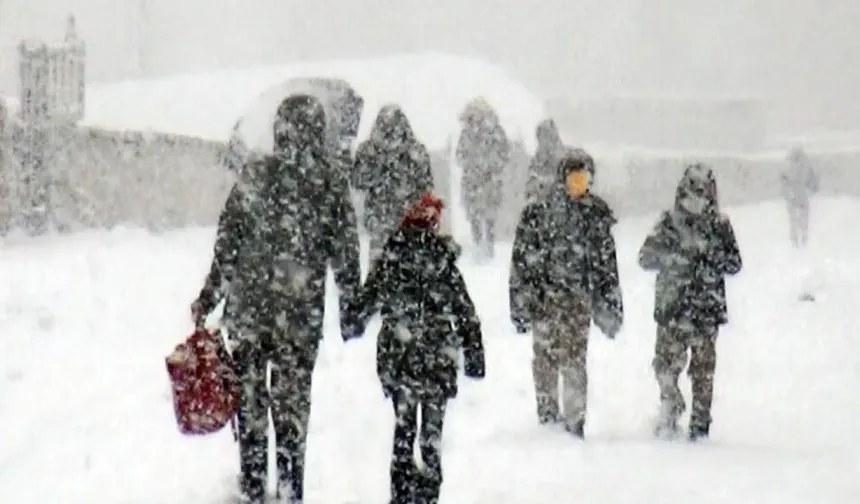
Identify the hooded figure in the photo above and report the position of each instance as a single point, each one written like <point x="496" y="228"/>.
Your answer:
<point x="692" y="248"/>
<point x="427" y="319"/>
<point x="798" y="182"/>
<point x="483" y="153"/>
<point x="251" y="136"/>
<point x="542" y="168"/>
<point x="564" y="274"/>
<point x="392" y="169"/>
<point x="286" y="220"/>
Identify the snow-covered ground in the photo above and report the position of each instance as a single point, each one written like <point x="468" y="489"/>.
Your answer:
<point x="86" y="321"/>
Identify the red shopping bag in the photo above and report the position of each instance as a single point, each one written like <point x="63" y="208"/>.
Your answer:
<point x="204" y="385"/>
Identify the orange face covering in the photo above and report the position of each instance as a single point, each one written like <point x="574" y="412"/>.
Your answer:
<point x="577" y="183"/>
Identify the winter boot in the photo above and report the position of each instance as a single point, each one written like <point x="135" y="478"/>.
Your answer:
<point x="699" y="432"/>
<point x="290" y="468"/>
<point x="666" y="429"/>
<point x="547" y="411"/>
<point x="404" y="478"/>
<point x="666" y="426"/>
<point x="252" y="482"/>
<point x="577" y="428"/>
<point x="427" y="488"/>
<point x="284" y="487"/>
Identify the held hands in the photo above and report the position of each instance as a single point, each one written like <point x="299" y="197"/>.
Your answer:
<point x="350" y="331"/>
<point x="608" y="323"/>
<point x="474" y="365"/>
<point x="351" y="325"/>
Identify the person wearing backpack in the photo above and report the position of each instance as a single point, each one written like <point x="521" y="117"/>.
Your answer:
<point x="287" y="219"/>
<point x="427" y="319"/>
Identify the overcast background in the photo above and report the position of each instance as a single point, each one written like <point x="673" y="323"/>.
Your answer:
<point x="800" y="55"/>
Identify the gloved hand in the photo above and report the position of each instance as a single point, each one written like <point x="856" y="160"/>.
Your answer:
<point x="350" y="325"/>
<point x="388" y="386"/>
<point x="474" y="365"/>
<point x="198" y="313"/>
<point x="608" y="323"/>
<point x="351" y="331"/>
<point x="521" y="326"/>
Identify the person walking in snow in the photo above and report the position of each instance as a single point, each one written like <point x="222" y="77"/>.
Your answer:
<point x="692" y="248"/>
<point x="798" y="182"/>
<point x="285" y="221"/>
<point x="427" y="319"/>
<point x="392" y="169"/>
<point x="483" y="153"/>
<point x="543" y="165"/>
<point x="563" y="275"/>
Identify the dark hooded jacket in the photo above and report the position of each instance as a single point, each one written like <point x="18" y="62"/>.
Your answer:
<point x="564" y="248"/>
<point x="287" y="219"/>
<point x="392" y="168"/>
<point x="483" y="153"/>
<point x="250" y="139"/>
<point x="692" y="253"/>
<point x="427" y="315"/>
<point x="542" y="171"/>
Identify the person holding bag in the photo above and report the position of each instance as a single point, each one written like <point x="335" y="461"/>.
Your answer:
<point x="287" y="220"/>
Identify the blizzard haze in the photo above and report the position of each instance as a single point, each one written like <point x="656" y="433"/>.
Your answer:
<point x="86" y="318"/>
<point x="798" y="55"/>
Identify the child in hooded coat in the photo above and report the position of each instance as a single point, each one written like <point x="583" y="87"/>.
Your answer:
<point x="427" y="319"/>
<point x="692" y="248"/>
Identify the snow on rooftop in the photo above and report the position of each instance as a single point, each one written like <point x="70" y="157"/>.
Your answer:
<point x="431" y="88"/>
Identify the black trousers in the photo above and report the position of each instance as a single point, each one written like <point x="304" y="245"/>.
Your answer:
<point x="409" y="483"/>
<point x="290" y="403"/>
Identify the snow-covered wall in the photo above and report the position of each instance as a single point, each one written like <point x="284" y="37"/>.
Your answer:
<point x="798" y="54"/>
<point x="165" y="182"/>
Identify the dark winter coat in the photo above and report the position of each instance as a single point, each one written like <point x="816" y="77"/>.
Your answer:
<point x="288" y="218"/>
<point x="427" y="315"/>
<point x="542" y="171"/>
<point x="483" y="153"/>
<point x="564" y="250"/>
<point x="692" y="254"/>
<point x="392" y="168"/>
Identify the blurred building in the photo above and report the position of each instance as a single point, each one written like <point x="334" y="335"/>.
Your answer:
<point x="797" y="54"/>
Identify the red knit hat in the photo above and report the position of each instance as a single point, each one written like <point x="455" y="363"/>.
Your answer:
<point x="424" y="213"/>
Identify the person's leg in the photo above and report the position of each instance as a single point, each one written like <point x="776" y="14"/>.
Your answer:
<point x="403" y="470"/>
<point x="430" y="442"/>
<point x="252" y="421"/>
<point x="573" y="340"/>
<point x="670" y="358"/>
<point x="292" y="379"/>
<point x="545" y="372"/>
<point x="703" y="363"/>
